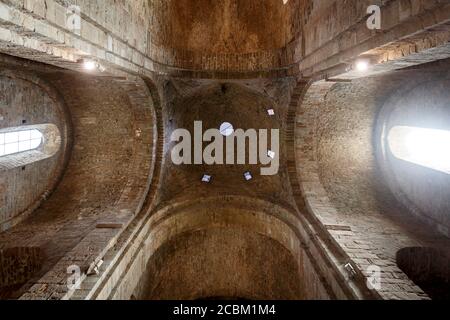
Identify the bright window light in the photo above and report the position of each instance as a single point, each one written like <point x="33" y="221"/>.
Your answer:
<point x="19" y="141"/>
<point x="425" y="147"/>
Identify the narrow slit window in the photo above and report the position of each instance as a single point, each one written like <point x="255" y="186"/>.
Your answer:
<point x="19" y="141"/>
<point x="422" y="146"/>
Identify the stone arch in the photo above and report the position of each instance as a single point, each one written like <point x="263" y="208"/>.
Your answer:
<point x="107" y="180"/>
<point x="335" y="178"/>
<point x="254" y="216"/>
<point x="220" y="262"/>
<point x="420" y="102"/>
<point x="186" y="35"/>
<point x="31" y="101"/>
<point x="17" y="266"/>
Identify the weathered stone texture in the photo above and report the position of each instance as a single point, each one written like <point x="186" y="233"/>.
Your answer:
<point x="143" y="36"/>
<point x="25" y="100"/>
<point x="336" y="207"/>
<point x="103" y="182"/>
<point x="341" y="182"/>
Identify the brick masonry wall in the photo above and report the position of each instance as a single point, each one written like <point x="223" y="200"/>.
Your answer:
<point x="119" y="33"/>
<point x="112" y="32"/>
<point x="105" y="182"/>
<point x="221" y="262"/>
<point x="123" y="275"/>
<point x="17" y="265"/>
<point x="428" y="267"/>
<point x="226" y="207"/>
<point x="341" y="184"/>
<point x="335" y="33"/>
<point x="27" y="100"/>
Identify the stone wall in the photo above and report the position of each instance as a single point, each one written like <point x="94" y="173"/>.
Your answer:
<point x="336" y="33"/>
<point x="429" y="268"/>
<point x="342" y="186"/>
<point x="126" y="274"/>
<point x="328" y="215"/>
<point x="106" y="179"/>
<point x="26" y="100"/>
<point x="17" y="266"/>
<point x="220" y="263"/>
<point x="322" y="35"/>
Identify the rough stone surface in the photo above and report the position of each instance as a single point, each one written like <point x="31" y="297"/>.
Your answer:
<point x="151" y="227"/>
<point x="220" y="263"/>
<point x="102" y="182"/>
<point x="344" y="187"/>
<point x="26" y="101"/>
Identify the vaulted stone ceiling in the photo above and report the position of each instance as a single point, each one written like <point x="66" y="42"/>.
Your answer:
<point x="235" y="35"/>
<point x="224" y="27"/>
<point x="242" y="103"/>
<point x="158" y="230"/>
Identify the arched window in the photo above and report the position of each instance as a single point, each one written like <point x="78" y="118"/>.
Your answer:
<point x="20" y="146"/>
<point x="19" y="141"/>
<point x="425" y="147"/>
